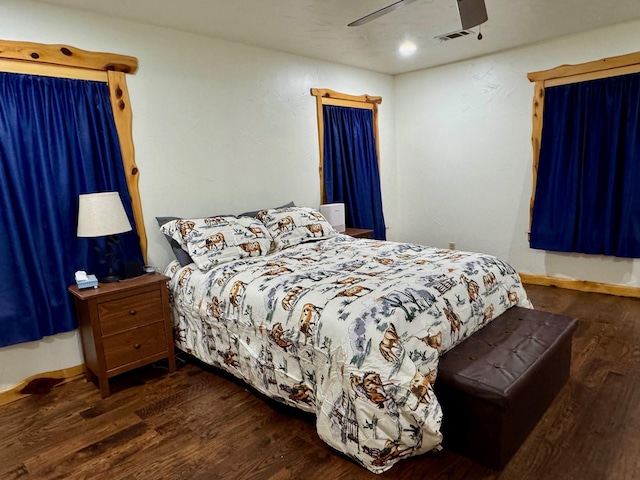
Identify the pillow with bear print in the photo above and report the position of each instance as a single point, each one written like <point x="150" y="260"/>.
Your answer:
<point x="293" y="225"/>
<point x="216" y="240"/>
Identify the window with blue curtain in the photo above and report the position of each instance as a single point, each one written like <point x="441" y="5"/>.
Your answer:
<point x="587" y="198"/>
<point x="57" y="140"/>
<point x="351" y="173"/>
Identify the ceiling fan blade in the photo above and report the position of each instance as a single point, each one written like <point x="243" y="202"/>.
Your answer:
<point x="379" y="13"/>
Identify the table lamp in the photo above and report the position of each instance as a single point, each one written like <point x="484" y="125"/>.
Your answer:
<point x="102" y="215"/>
<point x="334" y="214"/>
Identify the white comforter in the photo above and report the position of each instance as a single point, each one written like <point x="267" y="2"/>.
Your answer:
<point x="348" y="329"/>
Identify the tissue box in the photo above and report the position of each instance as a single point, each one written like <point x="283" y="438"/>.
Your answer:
<point x="90" y="282"/>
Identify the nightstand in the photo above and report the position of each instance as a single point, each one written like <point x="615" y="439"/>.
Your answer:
<point x="124" y="325"/>
<point x="359" y="232"/>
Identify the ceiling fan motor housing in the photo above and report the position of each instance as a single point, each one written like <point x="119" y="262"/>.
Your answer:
<point x="472" y="13"/>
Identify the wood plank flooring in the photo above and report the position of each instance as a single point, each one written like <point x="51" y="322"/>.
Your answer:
<point x="199" y="423"/>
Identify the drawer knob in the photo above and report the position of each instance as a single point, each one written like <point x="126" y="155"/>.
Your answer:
<point x="133" y="312"/>
<point x="137" y="346"/>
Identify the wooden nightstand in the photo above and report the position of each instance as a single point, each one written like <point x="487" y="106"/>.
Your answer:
<point x="359" y="232"/>
<point x="124" y="325"/>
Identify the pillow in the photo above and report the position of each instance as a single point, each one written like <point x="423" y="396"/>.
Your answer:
<point x="293" y="225"/>
<point x="216" y="240"/>
<point x="182" y="256"/>
<point x="254" y="213"/>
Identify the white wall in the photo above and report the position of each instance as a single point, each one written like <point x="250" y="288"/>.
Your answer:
<point x="218" y="128"/>
<point x="464" y="154"/>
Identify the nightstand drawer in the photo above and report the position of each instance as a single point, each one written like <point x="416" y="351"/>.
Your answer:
<point x="134" y="345"/>
<point x="129" y="312"/>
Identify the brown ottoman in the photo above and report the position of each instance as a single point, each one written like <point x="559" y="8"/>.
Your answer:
<point x="495" y="385"/>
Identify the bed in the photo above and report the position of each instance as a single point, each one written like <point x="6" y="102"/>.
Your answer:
<point x="348" y="329"/>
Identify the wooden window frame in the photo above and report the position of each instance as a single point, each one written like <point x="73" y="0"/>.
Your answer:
<point x="564" y="75"/>
<point x="324" y="96"/>
<point x="70" y="62"/>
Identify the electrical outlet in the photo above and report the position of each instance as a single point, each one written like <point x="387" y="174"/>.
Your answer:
<point x="452" y="246"/>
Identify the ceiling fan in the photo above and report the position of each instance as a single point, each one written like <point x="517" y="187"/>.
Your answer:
<point x="472" y="12"/>
<point x="379" y="13"/>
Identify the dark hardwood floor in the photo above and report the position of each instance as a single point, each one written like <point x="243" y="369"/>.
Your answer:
<point x="200" y="424"/>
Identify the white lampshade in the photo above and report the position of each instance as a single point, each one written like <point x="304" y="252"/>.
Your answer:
<point x="334" y="213"/>
<point x="101" y="214"/>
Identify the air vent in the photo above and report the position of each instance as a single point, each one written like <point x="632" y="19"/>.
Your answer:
<point x="457" y="34"/>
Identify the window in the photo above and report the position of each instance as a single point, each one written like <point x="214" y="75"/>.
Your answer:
<point x="586" y="143"/>
<point x="46" y="163"/>
<point x="349" y="157"/>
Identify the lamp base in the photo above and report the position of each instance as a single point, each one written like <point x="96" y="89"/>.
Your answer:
<point x="110" y="279"/>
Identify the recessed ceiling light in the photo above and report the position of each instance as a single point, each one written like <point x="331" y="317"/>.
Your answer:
<point x="407" y="48"/>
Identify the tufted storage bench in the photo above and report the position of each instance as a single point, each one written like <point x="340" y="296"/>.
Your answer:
<point x="495" y="385"/>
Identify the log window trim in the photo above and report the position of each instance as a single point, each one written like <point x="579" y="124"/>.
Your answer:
<point x="325" y="96"/>
<point x="564" y="75"/>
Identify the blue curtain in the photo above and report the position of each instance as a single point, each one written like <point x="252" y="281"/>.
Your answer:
<point x="587" y="196"/>
<point x="57" y="140"/>
<point x="351" y="174"/>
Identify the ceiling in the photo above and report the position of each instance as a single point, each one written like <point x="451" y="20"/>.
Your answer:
<point x="318" y="28"/>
